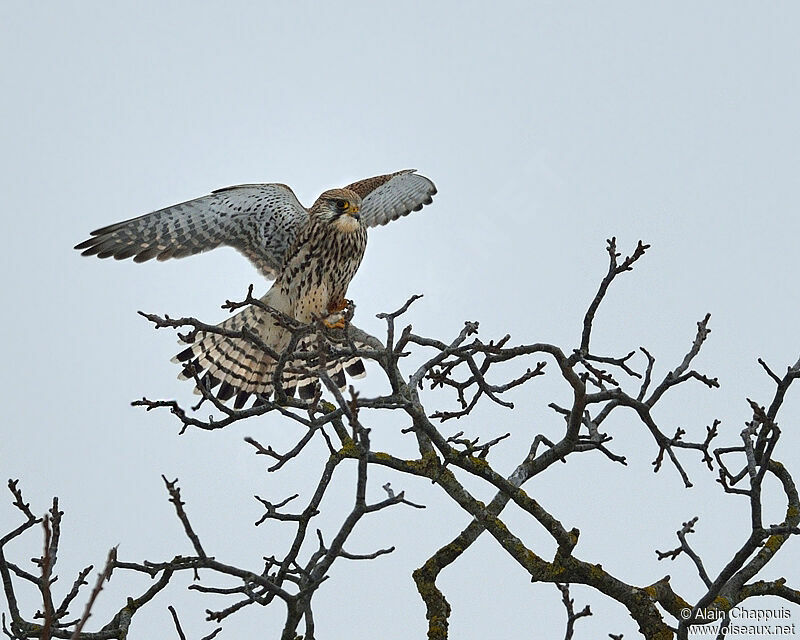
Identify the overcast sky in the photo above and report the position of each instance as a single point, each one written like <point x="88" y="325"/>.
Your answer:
<point x="547" y="127"/>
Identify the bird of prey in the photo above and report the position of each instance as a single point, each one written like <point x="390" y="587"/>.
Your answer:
<point x="311" y="253"/>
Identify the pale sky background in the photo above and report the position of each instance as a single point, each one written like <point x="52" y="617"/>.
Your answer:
<point x="547" y="127"/>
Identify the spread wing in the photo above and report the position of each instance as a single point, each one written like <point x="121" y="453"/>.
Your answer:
<point x="260" y="220"/>
<point x="389" y="197"/>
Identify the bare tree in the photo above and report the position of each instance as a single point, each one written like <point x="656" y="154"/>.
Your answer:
<point x="468" y="366"/>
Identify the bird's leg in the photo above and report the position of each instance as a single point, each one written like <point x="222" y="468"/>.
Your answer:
<point x="341" y="305"/>
<point x="335" y="320"/>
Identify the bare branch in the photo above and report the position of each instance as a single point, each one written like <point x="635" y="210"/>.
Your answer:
<point x="569" y="605"/>
<point x="175" y="499"/>
<point x="102" y="577"/>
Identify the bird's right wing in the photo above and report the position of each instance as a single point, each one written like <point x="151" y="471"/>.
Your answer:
<point x="260" y="220"/>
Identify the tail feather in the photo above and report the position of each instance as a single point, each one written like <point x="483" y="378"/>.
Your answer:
<point x="338" y="377"/>
<point x="236" y="368"/>
<point x="184" y="355"/>
<point x="337" y="369"/>
<point x="355" y="368"/>
<point x="209" y="381"/>
<point x="226" y="391"/>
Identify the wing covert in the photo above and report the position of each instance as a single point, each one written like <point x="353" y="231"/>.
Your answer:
<point x="259" y="220"/>
<point x="389" y="197"/>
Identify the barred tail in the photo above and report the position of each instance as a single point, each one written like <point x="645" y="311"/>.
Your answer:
<point x="236" y="368"/>
<point x="338" y="370"/>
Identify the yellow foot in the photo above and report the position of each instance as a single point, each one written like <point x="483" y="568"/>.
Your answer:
<point x="338" y="324"/>
<point x="341" y="305"/>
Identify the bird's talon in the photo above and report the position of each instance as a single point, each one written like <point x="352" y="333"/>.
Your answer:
<point x="337" y="324"/>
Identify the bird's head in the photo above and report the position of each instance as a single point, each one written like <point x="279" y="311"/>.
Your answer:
<point x="339" y="207"/>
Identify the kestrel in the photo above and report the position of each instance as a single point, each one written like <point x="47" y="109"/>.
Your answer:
<point x="311" y="253"/>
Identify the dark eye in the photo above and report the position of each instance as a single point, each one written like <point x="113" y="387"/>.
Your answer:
<point x="342" y="205"/>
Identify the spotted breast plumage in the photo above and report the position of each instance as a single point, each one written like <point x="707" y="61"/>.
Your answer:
<point x="311" y="253"/>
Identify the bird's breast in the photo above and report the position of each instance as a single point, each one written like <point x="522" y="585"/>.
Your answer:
<point x="320" y="267"/>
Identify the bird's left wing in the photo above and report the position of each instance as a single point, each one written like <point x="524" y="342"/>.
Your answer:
<point x="260" y="220"/>
<point x="389" y="197"/>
